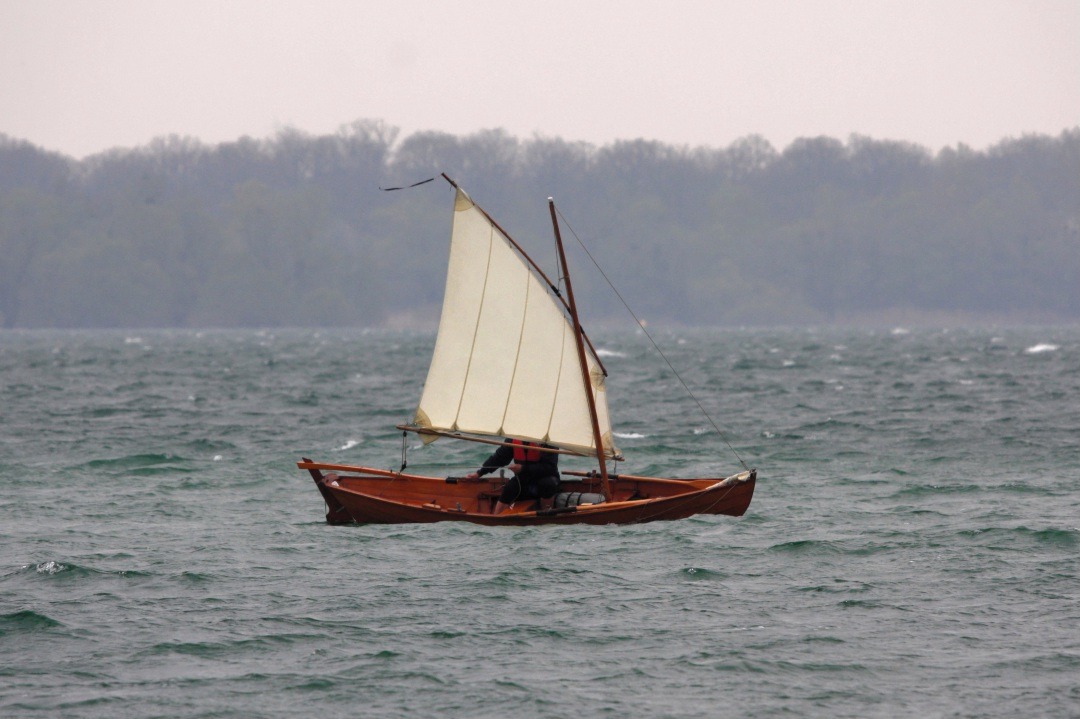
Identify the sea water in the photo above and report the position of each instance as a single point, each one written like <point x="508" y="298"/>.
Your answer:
<point x="911" y="549"/>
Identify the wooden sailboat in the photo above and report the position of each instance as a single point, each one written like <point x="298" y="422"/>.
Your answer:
<point x="512" y="361"/>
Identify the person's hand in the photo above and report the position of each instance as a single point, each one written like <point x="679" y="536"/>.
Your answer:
<point x="472" y="475"/>
<point x="515" y="468"/>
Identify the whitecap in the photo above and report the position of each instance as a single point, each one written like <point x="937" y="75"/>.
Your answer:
<point x="609" y="353"/>
<point x="1040" y="348"/>
<point x="897" y="331"/>
<point x="629" y="435"/>
<point x="348" y="445"/>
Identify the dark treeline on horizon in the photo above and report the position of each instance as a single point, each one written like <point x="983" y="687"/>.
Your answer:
<point x="294" y="231"/>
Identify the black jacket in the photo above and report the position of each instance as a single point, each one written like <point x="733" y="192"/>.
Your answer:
<point x="546" y="466"/>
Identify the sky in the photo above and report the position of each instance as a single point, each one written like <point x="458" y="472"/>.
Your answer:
<point x="83" y="76"/>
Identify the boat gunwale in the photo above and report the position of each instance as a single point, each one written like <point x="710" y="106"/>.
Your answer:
<point x="392" y="474"/>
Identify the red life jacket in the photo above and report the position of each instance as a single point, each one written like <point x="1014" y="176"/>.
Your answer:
<point x="523" y="451"/>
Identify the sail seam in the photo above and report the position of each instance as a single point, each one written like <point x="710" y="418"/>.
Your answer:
<point x="476" y="331"/>
<point x="517" y="355"/>
<point x="558" y="381"/>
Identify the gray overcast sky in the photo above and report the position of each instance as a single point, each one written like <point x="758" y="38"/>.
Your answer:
<point x="81" y="77"/>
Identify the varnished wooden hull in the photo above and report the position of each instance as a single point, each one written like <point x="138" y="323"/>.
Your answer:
<point x="356" y="494"/>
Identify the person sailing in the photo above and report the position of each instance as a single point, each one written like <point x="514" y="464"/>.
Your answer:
<point x="536" y="473"/>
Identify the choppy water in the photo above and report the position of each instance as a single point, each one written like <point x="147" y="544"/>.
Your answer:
<point x="912" y="549"/>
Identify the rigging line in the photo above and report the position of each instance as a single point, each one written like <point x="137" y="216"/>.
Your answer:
<point x="407" y="187"/>
<point x="654" y="344"/>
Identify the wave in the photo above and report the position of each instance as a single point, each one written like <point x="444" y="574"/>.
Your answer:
<point x="806" y="546"/>
<point x="839" y="587"/>
<point x="141" y="464"/>
<point x="1049" y="536"/>
<point x="52" y="568"/>
<point x="69" y="570"/>
<point x="698" y="574"/>
<point x="1040" y="348"/>
<point x="933" y="489"/>
<point x="26" y="621"/>
<point x="215" y="649"/>
<point x="860" y="604"/>
<point x="210" y="445"/>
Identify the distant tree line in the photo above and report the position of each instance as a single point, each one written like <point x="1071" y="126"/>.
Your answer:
<point x="294" y="230"/>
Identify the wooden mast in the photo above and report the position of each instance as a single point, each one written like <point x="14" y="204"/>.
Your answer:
<point x="579" y="342"/>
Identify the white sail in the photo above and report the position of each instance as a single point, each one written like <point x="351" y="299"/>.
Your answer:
<point x="505" y="361"/>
